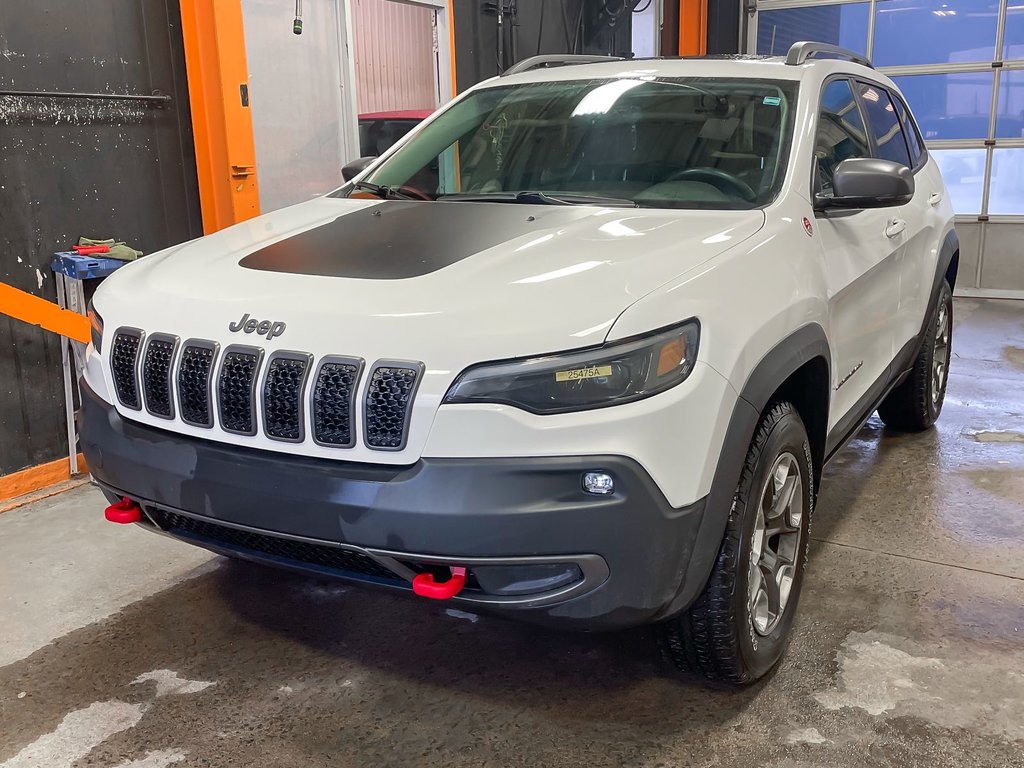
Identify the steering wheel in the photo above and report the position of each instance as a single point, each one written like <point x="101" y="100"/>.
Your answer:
<point x="722" y="180"/>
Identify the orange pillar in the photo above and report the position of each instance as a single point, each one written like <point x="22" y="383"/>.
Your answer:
<point x="451" y="45"/>
<point x="693" y="27"/>
<point x="221" y="120"/>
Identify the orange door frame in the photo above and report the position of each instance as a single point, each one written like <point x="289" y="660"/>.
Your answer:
<point x="693" y="27"/>
<point x="218" y="91"/>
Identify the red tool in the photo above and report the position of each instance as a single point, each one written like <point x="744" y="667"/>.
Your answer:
<point x="425" y="586"/>
<point x="125" y="511"/>
<point x="88" y="250"/>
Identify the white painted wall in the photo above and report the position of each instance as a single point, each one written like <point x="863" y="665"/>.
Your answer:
<point x="303" y="120"/>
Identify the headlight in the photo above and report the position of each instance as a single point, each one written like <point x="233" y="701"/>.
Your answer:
<point x="95" y="328"/>
<point x="594" y="378"/>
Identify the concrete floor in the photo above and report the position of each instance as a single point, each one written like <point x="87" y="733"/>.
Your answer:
<point x="120" y="648"/>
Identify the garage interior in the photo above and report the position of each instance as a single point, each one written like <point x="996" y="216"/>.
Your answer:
<point x="154" y="122"/>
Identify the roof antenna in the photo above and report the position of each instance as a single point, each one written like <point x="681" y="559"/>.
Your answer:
<point x="297" y="24"/>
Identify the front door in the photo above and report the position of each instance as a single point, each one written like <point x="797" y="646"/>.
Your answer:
<point x="861" y="251"/>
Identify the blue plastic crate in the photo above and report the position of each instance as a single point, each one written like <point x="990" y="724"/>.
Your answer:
<point x="84" y="267"/>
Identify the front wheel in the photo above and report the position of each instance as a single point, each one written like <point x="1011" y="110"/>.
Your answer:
<point x="916" y="403"/>
<point x="738" y="628"/>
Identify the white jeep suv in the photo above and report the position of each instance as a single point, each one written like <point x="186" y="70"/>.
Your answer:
<point x="576" y="349"/>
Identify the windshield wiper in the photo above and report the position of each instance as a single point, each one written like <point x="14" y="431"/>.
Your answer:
<point x="531" y="197"/>
<point x="382" y="191"/>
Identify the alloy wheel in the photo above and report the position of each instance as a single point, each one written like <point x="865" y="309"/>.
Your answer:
<point x="940" y="355"/>
<point x="775" y="544"/>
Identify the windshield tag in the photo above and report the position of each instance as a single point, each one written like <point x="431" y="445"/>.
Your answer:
<point x="772" y="101"/>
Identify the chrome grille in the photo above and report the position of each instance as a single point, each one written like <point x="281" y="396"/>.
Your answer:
<point x="389" y="404"/>
<point x="236" y="389"/>
<point x="124" y="357"/>
<point x="194" y="373"/>
<point x="282" y="395"/>
<point x="334" y="401"/>
<point x="156" y="375"/>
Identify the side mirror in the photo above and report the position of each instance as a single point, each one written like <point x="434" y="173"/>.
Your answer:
<point x="353" y="169"/>
<point x="867" y="182"/>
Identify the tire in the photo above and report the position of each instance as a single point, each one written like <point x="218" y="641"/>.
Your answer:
<point x="727" y="635"/>
<point x="916" y="403"/>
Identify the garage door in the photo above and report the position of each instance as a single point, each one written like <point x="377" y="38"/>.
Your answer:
<point x="961" y="65"/>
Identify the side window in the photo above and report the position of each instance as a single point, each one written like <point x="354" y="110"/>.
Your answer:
<point x="885" y="125"/>
<point x="840" y="133"/>
<point x="914" y="142"/>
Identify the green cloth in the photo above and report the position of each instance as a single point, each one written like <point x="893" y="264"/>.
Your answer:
<point x="117" y="250"/>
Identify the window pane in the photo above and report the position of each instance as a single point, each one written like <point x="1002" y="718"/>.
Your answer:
<point x="1013" y="37"/>
<point x="845" y="25"/>
<point x="910" y="133"/>
<point x="949" y="106"/>
<point x="840" y="133"/>
<point x="885" y="125"/>
<point x="934" y="31"/>
<point x="1006" y="194"/>
<point x="964" y="173"/>
<point x="1010" y="109"/>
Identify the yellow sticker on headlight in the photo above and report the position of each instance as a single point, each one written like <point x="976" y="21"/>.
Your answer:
<point x="578" y="374"/>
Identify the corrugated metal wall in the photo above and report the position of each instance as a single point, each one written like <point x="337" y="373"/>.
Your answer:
<point x="395" y="61"/>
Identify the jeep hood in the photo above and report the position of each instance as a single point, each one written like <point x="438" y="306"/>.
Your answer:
<point x="447" y="283"/>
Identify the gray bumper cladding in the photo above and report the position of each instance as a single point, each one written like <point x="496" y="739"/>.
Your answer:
<point x="535" y="544"/>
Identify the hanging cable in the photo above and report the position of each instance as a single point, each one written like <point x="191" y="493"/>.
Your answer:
<point x="540" y="28"/>
<point x="297" y="24"/>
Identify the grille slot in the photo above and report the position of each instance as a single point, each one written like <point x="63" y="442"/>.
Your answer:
<point x="194" y="373"/>
<point x="300" y="552"/>
<point x="389" y="404"/>
<point x="236" y="389"/>
<point x="282" y="395"/>
<point x="334" y="401"/>
<point x="156" y="374"/>
<point x="124" y="358"/>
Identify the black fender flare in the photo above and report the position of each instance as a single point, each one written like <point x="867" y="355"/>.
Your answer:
<point x="950" y="247"/>
<point x="801" y="346"/>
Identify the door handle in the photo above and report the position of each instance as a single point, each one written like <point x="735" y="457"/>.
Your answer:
<point x="934" y="198"/>
<point x="894" y="227"/>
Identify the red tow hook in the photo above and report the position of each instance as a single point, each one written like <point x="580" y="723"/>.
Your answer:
<point x="425" y="586"/>
<point x="124" y="512"/>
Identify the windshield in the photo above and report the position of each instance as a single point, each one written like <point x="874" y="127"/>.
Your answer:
<point x="709" y="143"/>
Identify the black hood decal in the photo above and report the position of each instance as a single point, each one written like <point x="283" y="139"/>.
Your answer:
<point x="402" y="239"/>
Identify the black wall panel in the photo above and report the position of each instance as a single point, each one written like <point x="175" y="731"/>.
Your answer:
<point x="71" y="167"/>
<point x="724" y="17"/>
<point x="535" y="26"/>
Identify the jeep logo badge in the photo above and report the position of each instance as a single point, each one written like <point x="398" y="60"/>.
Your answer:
<point x="262" y="327"/>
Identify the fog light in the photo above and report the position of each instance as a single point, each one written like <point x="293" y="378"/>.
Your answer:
<point x="600" y="483"/>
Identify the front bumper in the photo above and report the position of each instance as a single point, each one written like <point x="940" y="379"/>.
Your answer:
<point x="383" y="524"/>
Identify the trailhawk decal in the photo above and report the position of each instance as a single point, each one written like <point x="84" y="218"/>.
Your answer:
<point x="400" y="239"/>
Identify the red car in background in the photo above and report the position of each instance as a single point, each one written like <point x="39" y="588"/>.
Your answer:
<point x="379" y="130"/>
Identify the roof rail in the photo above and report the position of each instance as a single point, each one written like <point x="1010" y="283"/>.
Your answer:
<point x="801" y="52"/>
<point x="556" y="60"/>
